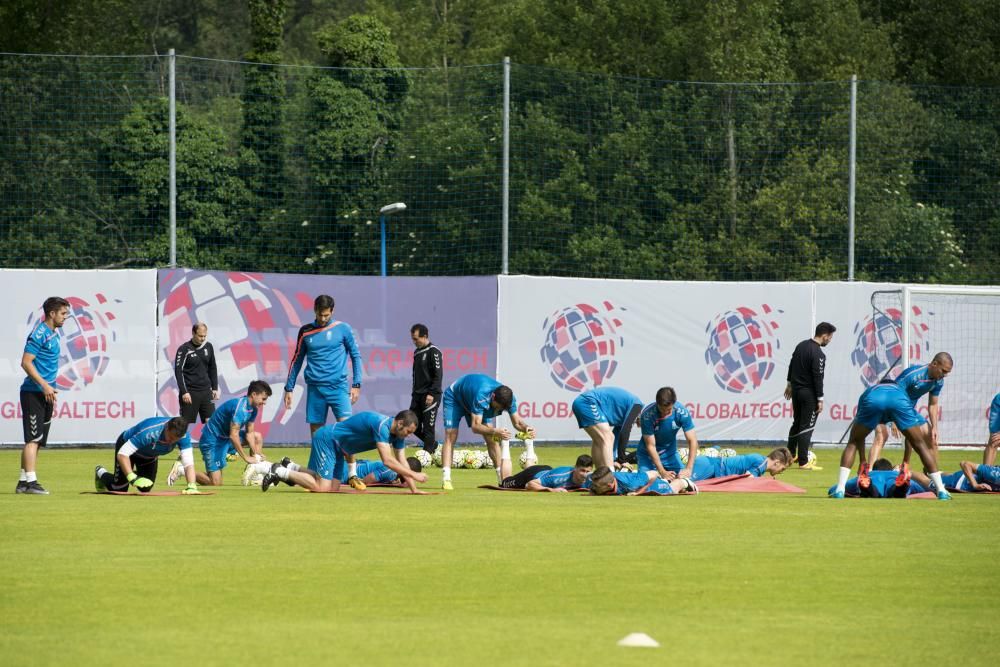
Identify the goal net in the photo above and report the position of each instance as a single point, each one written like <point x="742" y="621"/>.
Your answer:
<point x="911" y="324"/>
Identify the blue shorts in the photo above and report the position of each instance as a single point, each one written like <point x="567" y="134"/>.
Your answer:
<point x="326" y="458"/>
<point x="884" y="403"/>
<point x="321" y="397"/>
<point x="587" y="412"/>
<point x="213" y="452"/>
<point x="668" y="458"/>
<point x="455" y="413"/>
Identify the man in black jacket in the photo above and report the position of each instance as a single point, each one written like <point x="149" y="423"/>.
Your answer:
<point x="805" y="389"/>
<point x="427" y="375"/>
<point x="197" y="376"/>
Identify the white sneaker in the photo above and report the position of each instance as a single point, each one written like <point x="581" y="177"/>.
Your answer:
<point x="176" y="472"/>
<point x="248" y="475"/>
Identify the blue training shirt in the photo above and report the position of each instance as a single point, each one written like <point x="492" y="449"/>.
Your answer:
<point x="616" y="403"/>
<point x="984" y="475"/>
<point x="995" y="415"/>
<point x="472" y="393"/>
<point x="327" y="349"/>
<point x="147" y="437"/>
<point x="360" y="432"/>
<point x="628" y="482"/>
<point x="42" y="342"/>
<point x="557" y="478"/>
<point x="234" y="411"/>
<point x="916" y="382"/>
<point x="664" y="430"/>
<point x="708" y="468"/>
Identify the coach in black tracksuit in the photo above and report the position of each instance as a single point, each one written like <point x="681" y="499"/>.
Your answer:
<point x="427" y="375"/>
<point x="196" y="375"/>
<point x="805" y="389"/>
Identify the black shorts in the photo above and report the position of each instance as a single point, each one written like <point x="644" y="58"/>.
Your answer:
<point x="201" y="405"/>
<point x="36" y="417"/>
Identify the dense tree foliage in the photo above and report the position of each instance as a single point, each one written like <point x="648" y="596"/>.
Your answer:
<point x="618" y="168"/>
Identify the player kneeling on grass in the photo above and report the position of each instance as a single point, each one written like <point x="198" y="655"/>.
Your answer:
<point x="546" y="478"/>
<point x="137" y="451"/>
<point x="883" y="481"/>
<point x="606" y="482"/>
<point x="971" y="478"/>
<point x="754" y="465"/>
<point x="231" y="425"/>
<point x="332" y="444"/>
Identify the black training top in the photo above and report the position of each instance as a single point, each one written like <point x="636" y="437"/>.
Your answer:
<point x="427" y="370"/>
<point x="194" y="368"/>
<point x="805" y="371"/>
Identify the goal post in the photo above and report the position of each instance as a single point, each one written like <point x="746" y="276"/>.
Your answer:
<point x="913" y="323"/>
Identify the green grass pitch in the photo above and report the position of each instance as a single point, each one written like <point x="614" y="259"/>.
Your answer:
<point x="480" y="578"/>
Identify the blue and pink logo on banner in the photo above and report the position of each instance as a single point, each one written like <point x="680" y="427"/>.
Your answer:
<point x="741" y="347"/>
<point x="878" y="343"/>
<point x="580" y="345"/>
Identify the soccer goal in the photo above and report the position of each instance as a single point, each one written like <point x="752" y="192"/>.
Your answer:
<point x="911" y="324"/>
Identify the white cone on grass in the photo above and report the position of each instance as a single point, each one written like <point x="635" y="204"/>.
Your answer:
<point x="639" y="640"/>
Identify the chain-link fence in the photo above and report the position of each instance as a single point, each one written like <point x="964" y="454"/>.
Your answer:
<point x="285" y="169"/>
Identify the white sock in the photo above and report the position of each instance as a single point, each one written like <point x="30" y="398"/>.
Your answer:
<point x="842" y="478"/>
<point x="529" y="448"/>
<point x="102" y="471"/>
<point x="499" y="476"/>
<point x="30" y="477"/>
<point x="281" y="472"/>
<point x="505" y="450"/>
<point x="293" y="466"/>
<point x="262" y="468"/>
<point x="352" y="469"/>
<point x="938" y="482"/>
<point x="23" y="477"/>
<point x="446" y="473"/>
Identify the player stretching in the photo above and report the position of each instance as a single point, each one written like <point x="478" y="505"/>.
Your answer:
<point x="749" y="464"/>
<point x="970" y="478"/>
<point x="606" y="482"/>
<point x="885" y="482"/>
<point x="40" y="362"/>
<point x="331" y="445"/>
<point x="137" y="451"/>
<point x="479" y="399"/>
<point x="607" y="414"/>
<point x="990" y="453"/>
<point x="545" y="478"/>
<point x="376" y="472"/>
<point x="231" y="425"/>
<point x="919" y="380"/>
<point x="326" y="344"/>
<point x="890" y="402"/>
<point x="660" y="422"/>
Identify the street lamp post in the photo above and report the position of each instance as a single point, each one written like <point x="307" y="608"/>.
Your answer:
<point x="385" y="211"/>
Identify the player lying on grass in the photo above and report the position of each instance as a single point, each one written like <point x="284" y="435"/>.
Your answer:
<point x="607" y="414"/>
<point x="376" y="472"/>
<point x="883" y="481"/>
<point x="138" y="450"/>
<point x="332" y="444"/>
<point x="606" y="482"/>
<point x="890" y="402"/>
<point x="754" y="465"/>
<point x="546" y="478"/>
<point x="659" y="423"/>
<point x="231" y="425"/>
<point x="971" y="478"/>
<point x="478" y="399"/>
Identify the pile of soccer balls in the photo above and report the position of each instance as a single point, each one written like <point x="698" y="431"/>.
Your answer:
<point x="707" y="452"/>
<point x="470" y="459"/>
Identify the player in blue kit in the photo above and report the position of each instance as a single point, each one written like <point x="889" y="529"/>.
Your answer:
<point x="479" y="399"/>
<point x="890" y="402"/>
<point x="990" y="453"/>
<point x="331" y="445"/>
<point x="775" y="463"/>
<point x="883" y="482"/>
<point x="376" y="472"/>
<point x="137" y="452"/>
<point x="231" y="425"/>
<point x="659" y="423"/>
<point x="923" y="379"/>
<point x="547" y="479"/>
<point x="972" y="477"/>
<point x="606" y="482"/>
<point x="607" y="414"/>
<point x="40" y="362"/>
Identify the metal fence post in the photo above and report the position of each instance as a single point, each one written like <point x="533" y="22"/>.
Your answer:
<point x="505" y="214"/>
<point x="851" y="173"/>
<point x="172" y="77"/>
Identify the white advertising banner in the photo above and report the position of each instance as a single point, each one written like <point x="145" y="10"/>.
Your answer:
<point x="724" y="347"/>
<point x="107" y="378"/>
